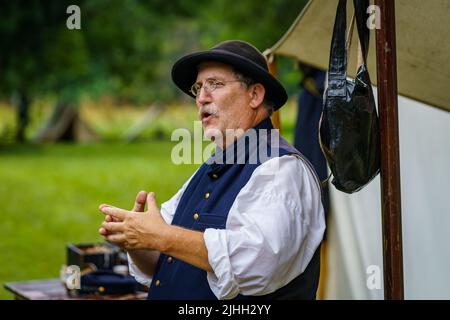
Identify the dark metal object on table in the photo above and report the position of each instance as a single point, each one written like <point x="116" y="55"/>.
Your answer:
<point x="102" y="255"/>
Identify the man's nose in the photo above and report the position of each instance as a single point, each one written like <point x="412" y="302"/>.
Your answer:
<point x="203" y="97"/>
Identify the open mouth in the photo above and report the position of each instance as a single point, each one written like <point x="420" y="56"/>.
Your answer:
<point x="205" y="116"/>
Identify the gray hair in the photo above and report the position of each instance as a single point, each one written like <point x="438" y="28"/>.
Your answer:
<point x="247" y="81"/>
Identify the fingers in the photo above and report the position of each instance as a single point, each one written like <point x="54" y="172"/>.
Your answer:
<point x="113" y="227"/>
<point x="102" y="231"/>
<point x="100" y="207"/>
<point x="109" y="218"/>
<point x="151" y="202"/>
<point x="139" y="204"/>
<point x="110" y="227"/>
<point x="112" y="217"/>
<point x="116" y="238"/>
<point x="114" y="212"/>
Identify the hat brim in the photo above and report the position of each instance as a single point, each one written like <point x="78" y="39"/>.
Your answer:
<point x="184" y="73"/>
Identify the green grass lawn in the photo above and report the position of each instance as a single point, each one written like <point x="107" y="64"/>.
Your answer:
<point x="49" y="196"/>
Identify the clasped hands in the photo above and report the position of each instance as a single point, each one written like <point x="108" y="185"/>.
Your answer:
<point x="136" y="229"/>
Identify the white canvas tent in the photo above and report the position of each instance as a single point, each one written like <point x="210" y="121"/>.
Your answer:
<point x="355" y="240"/>
<point x="423" y="45"/>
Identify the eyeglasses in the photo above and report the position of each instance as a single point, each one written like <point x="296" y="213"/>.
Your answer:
<point x="209" y="85"/>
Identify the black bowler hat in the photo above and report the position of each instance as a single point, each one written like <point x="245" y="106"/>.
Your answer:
<point x="241" y="55"/>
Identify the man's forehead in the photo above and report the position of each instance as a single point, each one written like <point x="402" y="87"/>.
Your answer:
<point x="213" y="69"/>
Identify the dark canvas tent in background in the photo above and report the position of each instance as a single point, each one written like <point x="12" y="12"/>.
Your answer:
<point x="423" y="73"/>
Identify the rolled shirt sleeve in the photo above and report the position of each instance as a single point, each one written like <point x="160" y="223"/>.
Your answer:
<point x="137" y="274"/>
<point x="274" y="226"/>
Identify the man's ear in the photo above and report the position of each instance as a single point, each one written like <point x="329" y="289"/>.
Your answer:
<point x="257" y="93"/>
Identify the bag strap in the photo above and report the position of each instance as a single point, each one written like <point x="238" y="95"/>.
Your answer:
<point x="348" y="43"/>
<point x="324" y="182"/>
<point x="363" y="31"/>
<point x="337" y="69"/>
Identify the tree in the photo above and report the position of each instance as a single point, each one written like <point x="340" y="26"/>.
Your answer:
<point x="33" y="44"/>
<point x="125" y="48"/>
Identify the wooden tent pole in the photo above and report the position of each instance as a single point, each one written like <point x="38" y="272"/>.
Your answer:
<point x="390" y="159"/>
<point x="272" y="63"/>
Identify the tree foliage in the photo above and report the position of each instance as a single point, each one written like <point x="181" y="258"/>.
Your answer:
<point x="125" y="48"/>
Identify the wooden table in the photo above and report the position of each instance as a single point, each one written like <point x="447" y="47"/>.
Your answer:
<point x="53" y="289"/>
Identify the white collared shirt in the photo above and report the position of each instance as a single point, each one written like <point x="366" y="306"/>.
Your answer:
<point x="273" y="228"/>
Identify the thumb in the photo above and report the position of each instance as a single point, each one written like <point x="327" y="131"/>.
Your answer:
<point x="151" y="202"/>
<point x="139" y="203"/>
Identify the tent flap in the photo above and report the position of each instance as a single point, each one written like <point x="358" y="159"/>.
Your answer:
<point x="423" y="43"/>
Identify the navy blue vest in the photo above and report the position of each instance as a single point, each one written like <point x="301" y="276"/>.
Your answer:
<point x="205" y="204"/>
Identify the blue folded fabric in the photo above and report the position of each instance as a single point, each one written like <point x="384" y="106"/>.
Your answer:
<point x="107" y="282"/>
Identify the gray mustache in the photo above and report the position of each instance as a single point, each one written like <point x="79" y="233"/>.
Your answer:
<point x="208" y="109"/>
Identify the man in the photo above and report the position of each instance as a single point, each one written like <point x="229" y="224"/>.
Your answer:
<point x="245" y="225"/>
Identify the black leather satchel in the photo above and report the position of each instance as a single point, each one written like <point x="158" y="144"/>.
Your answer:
<point x="349" y="130"/>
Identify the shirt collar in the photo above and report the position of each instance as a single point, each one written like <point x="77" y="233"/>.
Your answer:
<point x="217" y="168"/>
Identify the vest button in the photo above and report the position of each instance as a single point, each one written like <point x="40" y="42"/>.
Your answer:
<point x="215" y="176"/>
<point x="157" y="283"/>
<point x="169" y="260"/>
<point x="196" y="216"/>
<point x="207" y="195"/>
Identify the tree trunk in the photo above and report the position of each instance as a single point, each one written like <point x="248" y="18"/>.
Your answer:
<point x="22" y="105"/>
